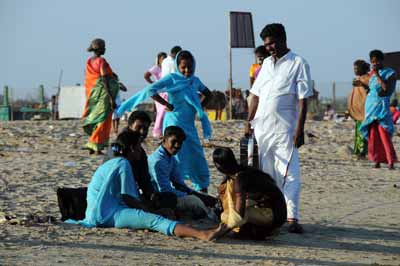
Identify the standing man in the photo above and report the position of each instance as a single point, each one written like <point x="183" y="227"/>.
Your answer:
<point x="168" y="64"/>
<point x="277" y="112"/>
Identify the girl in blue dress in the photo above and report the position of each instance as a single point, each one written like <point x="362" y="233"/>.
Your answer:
<point x="183" y="89"/>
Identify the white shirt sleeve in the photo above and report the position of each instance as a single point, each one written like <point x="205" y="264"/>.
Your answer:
<point x="304" y="82"/>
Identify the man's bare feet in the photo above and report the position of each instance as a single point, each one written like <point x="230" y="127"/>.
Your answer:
<point x="212" y="234"/>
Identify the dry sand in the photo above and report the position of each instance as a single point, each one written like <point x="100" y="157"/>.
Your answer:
<point x="350" y="211"/>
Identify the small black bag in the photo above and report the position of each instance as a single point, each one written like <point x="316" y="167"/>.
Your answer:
<point x="72" y="203"/>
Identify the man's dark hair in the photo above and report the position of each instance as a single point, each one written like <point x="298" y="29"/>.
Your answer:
<point x="362" y="66"/>
<point x="184" y="55"/>
<point x="161" y="55"/>
<point x="125" y="141"/>
<point x="138" y="115"/>
<point x="176" y="49"/>
<point x="275" y="30"/>
<point x="174" y="131"/>
<point x="261" y="50"/>
<point x="378" y="54"/>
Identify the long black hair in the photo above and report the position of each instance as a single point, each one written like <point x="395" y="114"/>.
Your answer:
<point x="125" y="142"/>
<point x="226" y="160"/>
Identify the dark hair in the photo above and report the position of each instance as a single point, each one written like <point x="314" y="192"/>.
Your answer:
<point x="174" y="131"/>
<point x="261" y="50"/>
<point x="394" y="103"/>
<point x="184" y="55"/>
<point x="362" y="66"/>
<point x="176" y="49"/>
<point x="124" y="142"/>
<point x="275" y="30"/>
<point x="160" y="55"/>
<point x="226" y="159"/>
<point x="378" y="54"/>
<point x="138" y="115"/>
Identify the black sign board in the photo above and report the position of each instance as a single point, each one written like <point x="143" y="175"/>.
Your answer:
<point x="242" y="35"/>
<point x="393" y="60"/>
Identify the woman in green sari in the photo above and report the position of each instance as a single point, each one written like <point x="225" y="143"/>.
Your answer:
<point x="356" y="103"/>
<point x="101" y="87"/>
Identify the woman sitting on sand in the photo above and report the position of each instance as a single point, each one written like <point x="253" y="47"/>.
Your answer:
<point x="253" y="205"/>
<point x="113" y="198"/>
<point x="183" y="105"/>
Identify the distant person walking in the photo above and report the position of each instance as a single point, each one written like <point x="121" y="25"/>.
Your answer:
<point x="277" y="112"/>
<point x="101" y="89"/>
<point x="377" y="126"/>
<point x="183" y="89"/>
<point x="356" y="105"/>
<point x="155" y="73"/>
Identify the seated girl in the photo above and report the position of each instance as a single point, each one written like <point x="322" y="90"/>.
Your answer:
<point x="113" y="198"/>
<point x="253" y="205"/>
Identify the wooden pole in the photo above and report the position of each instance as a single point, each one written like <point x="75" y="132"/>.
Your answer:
<point x="334" y="95"/>
<point x="230" y="82"/>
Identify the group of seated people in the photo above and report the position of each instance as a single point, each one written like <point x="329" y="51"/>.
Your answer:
<point x="131" y="190"/>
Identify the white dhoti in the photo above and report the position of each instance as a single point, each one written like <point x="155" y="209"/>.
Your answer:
<point x="280" y="159"/>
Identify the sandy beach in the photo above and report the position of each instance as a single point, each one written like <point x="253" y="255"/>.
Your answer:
<point x="349" y="210"/>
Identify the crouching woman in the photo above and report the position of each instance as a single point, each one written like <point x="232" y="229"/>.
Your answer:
<point x="113" y="197"/>
<point x="253" y="205"/>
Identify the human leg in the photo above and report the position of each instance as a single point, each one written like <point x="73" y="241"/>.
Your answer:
<point x="192" y="206"/>
<point x="158" y="123"/>
<point x="288" y="167"/>
<point x="100" y="136"/>
<point x="182" y="230"/>
<point x="390" y="152"/>
<point x="139" y="219"/>
<point x="376" y="152"/>
<point x="292" y="187"/>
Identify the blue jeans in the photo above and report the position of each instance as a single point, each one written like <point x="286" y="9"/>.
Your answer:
<point x="139" y="219"/>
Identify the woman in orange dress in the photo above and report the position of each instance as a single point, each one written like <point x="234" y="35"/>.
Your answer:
<point x="101" y="89"/>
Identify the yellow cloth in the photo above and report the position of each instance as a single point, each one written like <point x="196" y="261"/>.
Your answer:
<point x="253" y="70"/>
<point x="253" y="214"/>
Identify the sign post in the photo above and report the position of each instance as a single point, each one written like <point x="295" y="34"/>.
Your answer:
<point x="241" y="35"/>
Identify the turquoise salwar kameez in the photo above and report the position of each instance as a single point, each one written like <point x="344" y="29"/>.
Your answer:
<point x="183" y="95"/>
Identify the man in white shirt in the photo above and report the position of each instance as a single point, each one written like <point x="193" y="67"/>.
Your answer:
<point x="277" y="112"/>
<point x="168" y="64"/>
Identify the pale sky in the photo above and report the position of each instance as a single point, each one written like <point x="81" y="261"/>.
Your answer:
<point x="41" y="37"/>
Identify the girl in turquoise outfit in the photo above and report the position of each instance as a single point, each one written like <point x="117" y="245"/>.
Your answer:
<point x="377" y="126"/>
<point x="183" y="89"/>
<point x="113" y="198"/>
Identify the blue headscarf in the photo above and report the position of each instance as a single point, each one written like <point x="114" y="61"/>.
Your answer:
<point x="173" y="82"/>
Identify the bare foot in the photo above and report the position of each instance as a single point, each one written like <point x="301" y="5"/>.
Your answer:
<point x="377" y="165"/>
<point x="212" y="234"/>
<point x="391" y="166"/>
